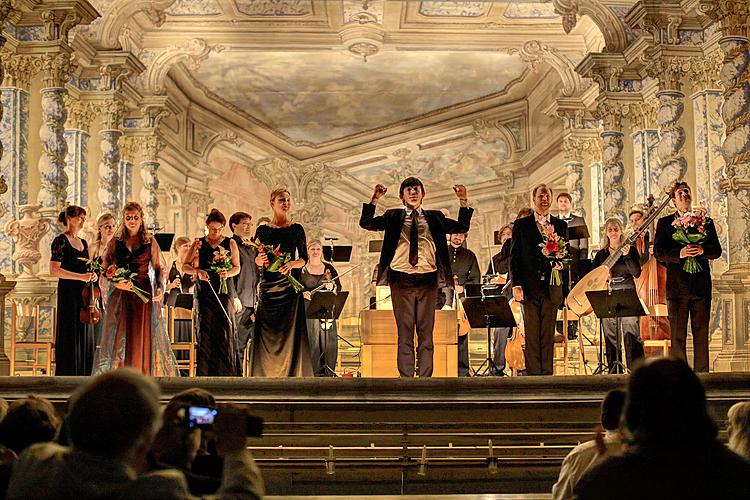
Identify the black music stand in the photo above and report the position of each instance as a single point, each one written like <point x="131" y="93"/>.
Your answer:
<point x="616" y="304"/>
<point x="326" y="306"/>
<point x="339" y="253"/>
<point x="490" y="312"/>
<point x="164" y="240"/>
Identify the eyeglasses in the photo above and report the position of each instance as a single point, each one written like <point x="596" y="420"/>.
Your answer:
<point x="132" y="217"/>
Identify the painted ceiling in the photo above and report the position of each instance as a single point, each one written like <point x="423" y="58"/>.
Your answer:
<point x="323" y="96"/>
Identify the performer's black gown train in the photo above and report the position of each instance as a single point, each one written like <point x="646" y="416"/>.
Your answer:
<point x="280" y="344"/>
<point x="217" y="337"/>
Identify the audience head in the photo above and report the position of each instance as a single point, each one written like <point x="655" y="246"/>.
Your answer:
<point x="738" y="429"/>
<point x="612" y="406"/>
<point x="30" y="420"/>
<point x="175" y="443"/>
<point x="241" y="224"/>
<point x="411" y="192"/>
<point x="73" y="217"/>
<point x="666" y="406"/>
<point x="115" y="415"/>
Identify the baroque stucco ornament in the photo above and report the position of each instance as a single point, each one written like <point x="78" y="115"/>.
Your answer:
<point x="27" y="232"/>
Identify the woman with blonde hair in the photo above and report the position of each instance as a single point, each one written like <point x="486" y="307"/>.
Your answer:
<point x="106" y="224"/>
<point x="738" y="429"/>
<point x="622" y="276"/>
<point x="133" y="333"/>
<point x="280" y="344"/>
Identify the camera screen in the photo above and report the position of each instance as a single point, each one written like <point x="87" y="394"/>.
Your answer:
<point x="200" y="416"/>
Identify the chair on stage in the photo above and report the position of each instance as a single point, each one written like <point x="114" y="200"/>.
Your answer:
<point x="183" y="310"/>
<point x="36" y="345"/>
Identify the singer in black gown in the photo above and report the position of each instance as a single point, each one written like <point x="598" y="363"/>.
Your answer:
<point x="280" y="343"/>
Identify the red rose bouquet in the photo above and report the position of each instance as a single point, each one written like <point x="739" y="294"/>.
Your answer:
<point x="276" y="259"/>
<point x="555" y="249"/>
<point x="125" y="275"/>
<point x="222" y="261"/>
<point x="690" y="229"/>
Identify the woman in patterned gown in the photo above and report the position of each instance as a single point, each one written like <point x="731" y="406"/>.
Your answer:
<point x="217" y="335"/>
<point x="133" y="333"/>
<point x="74" y="343"/>
<point x="280" y="344"/>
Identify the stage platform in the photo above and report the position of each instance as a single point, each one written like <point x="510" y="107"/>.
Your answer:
<point x="353" y="436"/>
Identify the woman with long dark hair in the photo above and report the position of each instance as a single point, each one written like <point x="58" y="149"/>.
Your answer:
<point x="280" y="344"/>
<point x="217" y="335"/>
<point x="133" y="333"/>
<point x="74" y="342"/>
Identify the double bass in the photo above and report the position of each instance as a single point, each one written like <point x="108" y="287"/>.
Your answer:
<point x="651" y="286"/>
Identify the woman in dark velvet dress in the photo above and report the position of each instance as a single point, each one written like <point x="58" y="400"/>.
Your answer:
<point x="280" y="345"/>
<point x="217" y="335"/>
<point x="324" y="348"/>
<point x="133" y="333"/>
<point x="74" y="343"/>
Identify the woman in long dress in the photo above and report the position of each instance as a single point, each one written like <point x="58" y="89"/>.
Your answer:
<point x="74" y="343"/>
<point x="217" y="335"/>
<point x="623" y="274"/>
<point x="324" y="346"/>
<point x="280" y="345"/>
<point x="106" y="225"/>
<point x="133" y="333"/>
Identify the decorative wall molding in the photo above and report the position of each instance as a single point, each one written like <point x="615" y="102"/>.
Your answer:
<point x="192" y="53"/>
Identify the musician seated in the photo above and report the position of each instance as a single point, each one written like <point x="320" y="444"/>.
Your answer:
<point x="622" y="275"/>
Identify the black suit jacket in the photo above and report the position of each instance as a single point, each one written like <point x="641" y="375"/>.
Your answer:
<point x="392" y="221"/>
<point x="530" y="269"/>
<point x="681" y="284"/>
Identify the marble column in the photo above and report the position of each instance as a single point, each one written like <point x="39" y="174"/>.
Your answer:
<point x="574" y="185"/>
<point x="646" y="159"/>
<point x="109" y="165"/>
<point x="735" y="283"/>
<point x="80" y="116"/>
<point x="151" y="146"/>
<point x="14" y="137"/>
<point x="613" y="172"/>
<point x="672" y="139"/>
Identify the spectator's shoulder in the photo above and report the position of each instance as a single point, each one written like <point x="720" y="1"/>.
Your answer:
<point x="162" y="484"/>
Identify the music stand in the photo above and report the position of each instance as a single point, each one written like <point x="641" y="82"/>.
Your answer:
<point x="616" y="304"/>
<point x="326" y="306"/>
<point x="489" y="312"/>
<point x="164" y="240"/>
<point x="339" y="253"/>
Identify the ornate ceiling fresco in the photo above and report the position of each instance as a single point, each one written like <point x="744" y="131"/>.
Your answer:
<point x="319" y="97"/>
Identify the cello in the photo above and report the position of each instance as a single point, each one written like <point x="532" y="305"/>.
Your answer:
<point x="651" y="286"/>
<point x="90" y="313"/>
<point x="517" y="340"/>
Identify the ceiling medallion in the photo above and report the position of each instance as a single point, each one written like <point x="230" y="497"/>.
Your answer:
<point x="364" y="50"/>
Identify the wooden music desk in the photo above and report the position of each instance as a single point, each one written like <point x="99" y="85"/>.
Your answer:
<point x="380" y="344"/>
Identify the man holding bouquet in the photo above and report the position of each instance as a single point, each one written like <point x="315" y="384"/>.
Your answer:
<point x="685" y="242"/>
<point x="538" y="253"/>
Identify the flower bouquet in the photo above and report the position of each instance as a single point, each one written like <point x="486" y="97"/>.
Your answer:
<point x="555" y="249"/>
<point x="276" y="259"/>
<point x="125" y="275"/>
<point x="93" y="265"/>
<point x="690" y="229"/>
<point x="222" y="261"/>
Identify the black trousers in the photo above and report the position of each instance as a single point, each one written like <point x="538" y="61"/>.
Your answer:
<point x="463" y="355"/>
<point x="414" y="297"/>
<point x="699" y="311"/>
<point x="539" y="316"/>
<point x="244" y="320"/>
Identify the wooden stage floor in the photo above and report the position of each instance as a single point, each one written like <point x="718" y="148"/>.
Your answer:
<point x="356" y="436"/>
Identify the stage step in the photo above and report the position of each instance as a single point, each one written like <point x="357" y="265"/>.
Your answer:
<point x="368" y="436"/>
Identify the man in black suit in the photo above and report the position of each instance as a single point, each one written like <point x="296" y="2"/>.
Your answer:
<point x="531" y="282"/>
<point x="414" y="262"/>
<point x="688" y="294"/>
<point x="465" y="267"/>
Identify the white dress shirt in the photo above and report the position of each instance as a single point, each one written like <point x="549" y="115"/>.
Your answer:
<point x="579" y="460"/>
<point x="427" y="262"/>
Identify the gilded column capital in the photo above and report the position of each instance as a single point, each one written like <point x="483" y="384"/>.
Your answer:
<point x="643" y="114"/>
<point x="112" y="110"/>
<point x="55" y="68"/>
<point x="81" y="114"/>
<point x="732" y="15"/>
<point x="130" y="147"/>
<point x="611" y="113"/>
<point x="587" y="150"/>
<point x="150" y="147"/>
<point x="18" y="69"/>
<point x="703" y="72"/>
<point x="669" y="70"/>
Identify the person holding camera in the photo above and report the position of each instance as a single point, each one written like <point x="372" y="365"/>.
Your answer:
<point x="111" y="424"/>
